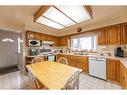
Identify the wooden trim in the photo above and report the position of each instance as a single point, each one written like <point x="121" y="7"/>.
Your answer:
<point x="47" y="26"/>
<point x="88" y="10"/>
<point x="55" y="22"/>
<point x="40" y="12"/>
<point x="95" y="30"/>
<point x="65" y="14"/>
<point x="40" y="33"/>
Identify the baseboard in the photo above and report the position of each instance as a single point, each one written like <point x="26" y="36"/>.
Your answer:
<point x="5" y="67"/>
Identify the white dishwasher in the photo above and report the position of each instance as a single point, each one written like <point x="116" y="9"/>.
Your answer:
<point x="97" y="67"/>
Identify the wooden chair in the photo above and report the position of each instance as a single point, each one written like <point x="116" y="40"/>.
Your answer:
<point x="37" y="59"/>
<point x="63" y="60"/>
<point x="33" y="82"/>
<point x="73" y="82"/>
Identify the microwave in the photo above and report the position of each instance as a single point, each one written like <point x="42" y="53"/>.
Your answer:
<point x="34" y="43"/>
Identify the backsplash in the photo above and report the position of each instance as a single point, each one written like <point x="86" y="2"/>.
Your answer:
<point x="102" y="49"/>
<point x="110" y="49"/>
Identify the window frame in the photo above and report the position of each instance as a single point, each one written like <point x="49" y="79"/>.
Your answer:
<point x="94" y="41"/>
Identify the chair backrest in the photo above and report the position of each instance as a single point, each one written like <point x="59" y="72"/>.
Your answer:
<point x="37" y="59"/>
<point x="63" y="60"/>
<point x="73" y="82"/>
<point x="33" y="83"/>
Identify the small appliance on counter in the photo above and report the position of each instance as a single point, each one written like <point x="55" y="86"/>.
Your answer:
<point x="33" y="52"/>
<point x="119" y="52"/>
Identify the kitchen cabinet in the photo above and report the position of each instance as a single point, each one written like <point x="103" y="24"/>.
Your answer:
<point x="124" y="33"/>
<point x="123" y="76"/>
<point x="33" y="35"/>
<point x="58" y="56"/>
<point x="83" y="63"/>
<point x="113" y="70"/>
<point x="109" y="35"/>
<point x="76" y="61"/>
<point x="113" y="34"/>
<point x="63" y="41"/>
<point x="29" y="59"/>
<point x="102" y="36"/>
<point x="41" y="36"/>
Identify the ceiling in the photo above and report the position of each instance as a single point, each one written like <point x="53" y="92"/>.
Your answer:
<point x="23" y="15"/>
<point x="60" y="17"/>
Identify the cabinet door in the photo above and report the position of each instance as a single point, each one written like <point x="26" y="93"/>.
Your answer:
<point x="113" y="34"/>
<point x="69" y="60"/>
<point x="63" y="41"/>
<point x="58" y="56"/>
<point x="123" y="76"/>
<point x="66" y="41"/>
<point x="124" y="33"/>
<point x="37" y="36"/>
<point x="102" y="37"/>
<point x="113" y="70"/>
<point x="75" y="61"/>
<point x="83" y="64"/>
<point x="55" y="40"/>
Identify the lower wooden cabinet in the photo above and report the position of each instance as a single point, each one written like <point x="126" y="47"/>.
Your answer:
<point x="76" y="61"/>
<point x="83" y="63"/>
<point x="113" y="70"/>
<point x="116" y="72"/>
<point x="123" y="76"/>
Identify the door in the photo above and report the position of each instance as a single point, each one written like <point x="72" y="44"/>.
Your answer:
<point x="8" y="49"/>
<point x="124" y="33"/>
<point x="83" y="63"/>
<point x="102" y="37"/>
<point x="113" y="34"/>
<point x="113" y="70"/>
<point x="123" y="76"/>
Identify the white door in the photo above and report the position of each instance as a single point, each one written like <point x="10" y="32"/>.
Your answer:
<point x="8" y="48"/>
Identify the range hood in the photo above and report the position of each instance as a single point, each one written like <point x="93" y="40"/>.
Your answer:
<point x="47" y="42"/>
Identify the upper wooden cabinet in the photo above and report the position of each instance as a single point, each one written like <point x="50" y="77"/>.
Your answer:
<point x="113" y="34"/>
<point x="124" y="33"/>
<point x="41" y="36"/>
<point x="63" y="41"/>
<point x="113" y="70"/>
<point x="102" y="36"/>
<point x="109" y="35"/>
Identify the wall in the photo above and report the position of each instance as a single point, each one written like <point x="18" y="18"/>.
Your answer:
<point x="110" y="49"/>
<point x="119" y="18"/>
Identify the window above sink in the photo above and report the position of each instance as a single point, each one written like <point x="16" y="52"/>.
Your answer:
<point x="84" y="42"/>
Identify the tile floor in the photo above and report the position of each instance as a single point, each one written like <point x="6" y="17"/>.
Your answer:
<point x="16" y="80"/>
<point x="88" y="82"/>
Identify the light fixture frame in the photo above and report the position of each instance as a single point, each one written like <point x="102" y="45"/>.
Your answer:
<point x="45" y="8"/>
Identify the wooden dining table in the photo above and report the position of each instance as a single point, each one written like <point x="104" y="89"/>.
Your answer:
<point x="52" y="75"/>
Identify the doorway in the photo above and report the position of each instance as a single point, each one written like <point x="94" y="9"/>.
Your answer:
<point x="10" y="50"/>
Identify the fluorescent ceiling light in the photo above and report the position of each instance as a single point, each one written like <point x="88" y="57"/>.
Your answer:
<point x="45" y="21"/>
<point x="57" y="16"/>
<point x="60" y="17"/>
<point x="77" y="13"/>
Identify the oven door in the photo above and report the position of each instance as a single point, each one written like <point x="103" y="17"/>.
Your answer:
<point x="35" y="43"/>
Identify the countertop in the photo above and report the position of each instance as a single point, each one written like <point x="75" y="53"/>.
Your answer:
<point x="122" y="60"/>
